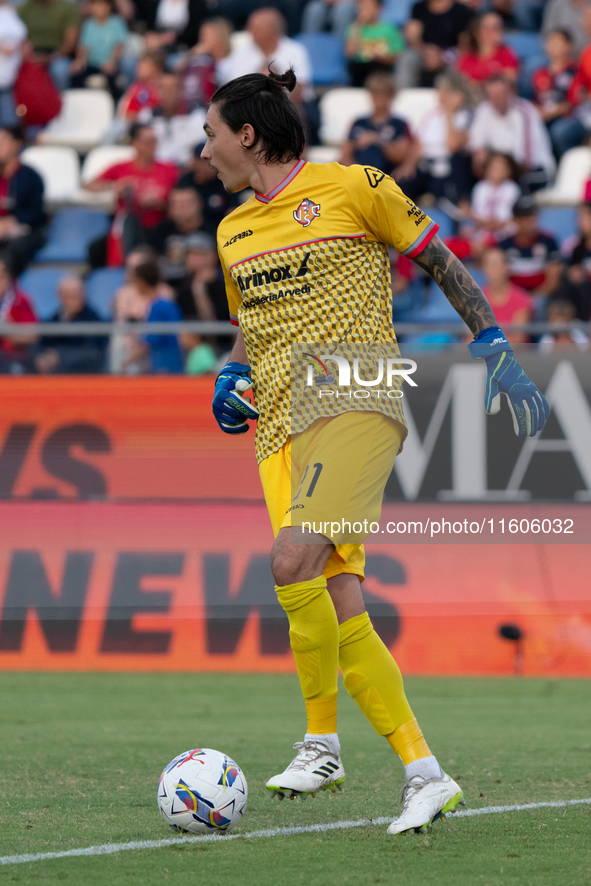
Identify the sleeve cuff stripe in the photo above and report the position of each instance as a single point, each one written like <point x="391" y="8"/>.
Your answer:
<point x="423" y="240"/>
<point x="234" y="320"/>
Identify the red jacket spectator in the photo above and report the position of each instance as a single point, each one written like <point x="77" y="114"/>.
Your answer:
<point x="487" y="54"/>
<point x="15" y="307"/>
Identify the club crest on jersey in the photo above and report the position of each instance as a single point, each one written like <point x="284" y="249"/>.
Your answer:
<point x="306" y="212"/>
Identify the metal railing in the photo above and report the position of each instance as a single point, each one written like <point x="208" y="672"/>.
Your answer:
<point x="75" y="330"/>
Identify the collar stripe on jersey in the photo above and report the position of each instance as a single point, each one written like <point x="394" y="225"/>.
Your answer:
<point x="296" y="246"/>
<point x="266" y="198"/>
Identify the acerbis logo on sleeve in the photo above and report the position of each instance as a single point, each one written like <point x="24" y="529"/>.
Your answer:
<point x="240" y="236"/>
<point x="374" y="176"/>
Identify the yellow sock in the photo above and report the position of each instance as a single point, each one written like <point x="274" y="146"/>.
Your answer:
<point x="372" y="677"/>
<point x="314" y="638"/>
<point x="408" y="742"/>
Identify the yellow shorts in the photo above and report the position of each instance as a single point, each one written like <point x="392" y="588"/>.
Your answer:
<point x="336" y="470"/>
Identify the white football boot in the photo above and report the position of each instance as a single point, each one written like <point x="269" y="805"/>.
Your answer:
<point x="424" y="801"/>
<point x="314" y="768"/>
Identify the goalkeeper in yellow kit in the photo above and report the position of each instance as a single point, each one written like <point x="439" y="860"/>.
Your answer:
<point x="306" y="261"/>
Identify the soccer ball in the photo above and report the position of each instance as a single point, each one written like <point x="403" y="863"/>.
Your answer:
<point x="201" y="792"/>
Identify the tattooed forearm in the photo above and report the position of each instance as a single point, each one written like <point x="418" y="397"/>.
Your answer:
<point x="462" y="292"/>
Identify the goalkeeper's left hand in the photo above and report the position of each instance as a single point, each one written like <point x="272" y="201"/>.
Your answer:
<point x="231" y="409"/>
<point x="529" y="408"/>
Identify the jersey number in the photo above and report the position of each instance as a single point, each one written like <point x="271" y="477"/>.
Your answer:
<point x="317" y="471"/>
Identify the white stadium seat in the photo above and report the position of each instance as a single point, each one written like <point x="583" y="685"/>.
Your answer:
<point x="323" y="154"/>
<point x="574" y="170"/>
<point x="95" y="162"/>
<point x="85" y="116"/>
<point x="413" y="104"/>
<point x="339" y="108"/>
<point x="59" y="167"/>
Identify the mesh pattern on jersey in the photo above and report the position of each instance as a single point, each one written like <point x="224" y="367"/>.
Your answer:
<point x="334" y="291"/>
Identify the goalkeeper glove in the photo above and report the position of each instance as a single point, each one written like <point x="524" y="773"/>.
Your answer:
<point x="529" y="408"/>
<point x="230" y="408"/>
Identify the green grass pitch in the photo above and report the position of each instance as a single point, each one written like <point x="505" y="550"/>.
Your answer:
<point x="80" y="756"/>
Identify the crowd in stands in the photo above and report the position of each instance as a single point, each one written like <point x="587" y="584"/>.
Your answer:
<point x="509" y="83"/>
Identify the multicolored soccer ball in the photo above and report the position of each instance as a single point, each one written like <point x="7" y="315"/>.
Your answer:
<point x="202" y="792"/>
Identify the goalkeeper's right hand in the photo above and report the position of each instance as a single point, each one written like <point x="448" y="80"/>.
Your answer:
<point x="230" y="408"/>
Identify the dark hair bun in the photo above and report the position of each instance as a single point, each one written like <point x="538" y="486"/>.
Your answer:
<point x="285" y="81"/>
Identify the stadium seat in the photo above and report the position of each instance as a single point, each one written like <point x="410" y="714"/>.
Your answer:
<point x="323" y="154"/>
<point x="41" y="285"/>
<point x="70" y="232"/>
<point x="560" y="221"/>
<point x="413" y="104"/>
<point x="524" y="44"/>
<point x="85" y="116"/>
<point x="397" y="11"/>
<point x="327" y="55"/>
<point x="339" y="108"/>
<point x="95" y="162"/>
<point x="574" y="170"/>
<point x="441" y="218"/>
<point x="59" y="167"/>
<point x="438" y="308"/>
<point x="101" y="286"/>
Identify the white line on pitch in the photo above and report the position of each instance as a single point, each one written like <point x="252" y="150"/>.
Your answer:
<point x="112" y="848"/>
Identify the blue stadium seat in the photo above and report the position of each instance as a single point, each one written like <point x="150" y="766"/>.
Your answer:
<point x="41" y="284"/>
<point x="476" y="273"/>
<point x="101" y="287"/>
<point x="70" y="232"/>
<point x="559" y="220"/>
<point x="327" y="54"/>
<point x="438" y="308"/>
<point x="525" y="45"/>
<point x="397" y="11"/>
<point x="441" y="218"/>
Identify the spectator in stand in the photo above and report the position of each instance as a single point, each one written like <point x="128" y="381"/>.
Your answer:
<point x="328" y="15"/>
<point x="533" y="255"/>
<point x="438" y="162"/>
<point x="576" y="284"/>
<point x="142" y="186"/>
<point x="12" y="36"/>
<point x="372" y="44"/>
<point x="72" y="354"/>
<point x="566" y="15"/>
<point x="511" y="125"/>
<point x="217" y="202"/>
<point x="201" y="358"/>
<point x="15" y="307"/>
<point x="177" y="132"/>
<point x="22" y="216"/>
<point x="201" y="293"/>
<point x="144" y="93"/>
<point x="487" y="54"/>
<point x="554" y="93"/>
<point x="493" y="198"/>
<point x="162" y="353"/>
<point x="130" y="307"/>
<point x="432" y="34"/>
<point x="170" y="238"/>
<point x="381" y="140"/>
<point x="581" y="90"/>
<point x="270" y="46"/>
<point x="562" y="313"/>
<point x="176" y="24"/>
<point x="202" y="68"/>
<point x="101" y="46"/>
<point x="510" y="303"/>
<point x="53" y="27"/>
